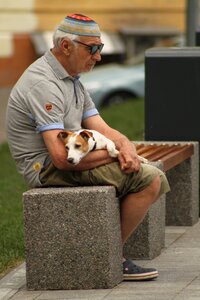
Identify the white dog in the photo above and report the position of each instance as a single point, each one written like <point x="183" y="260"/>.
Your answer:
<point x="81" y="142"/>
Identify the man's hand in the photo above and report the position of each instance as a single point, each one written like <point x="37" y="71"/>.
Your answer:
<point x="128" y="158"/>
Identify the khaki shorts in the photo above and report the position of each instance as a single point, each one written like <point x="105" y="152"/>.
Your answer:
<point x="109" y="174"/>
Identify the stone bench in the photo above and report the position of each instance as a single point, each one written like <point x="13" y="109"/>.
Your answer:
<point x="72" y="235"/>
<point x="72" y="238"/>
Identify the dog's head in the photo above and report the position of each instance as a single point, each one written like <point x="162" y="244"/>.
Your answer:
<point x="76" y="144"/>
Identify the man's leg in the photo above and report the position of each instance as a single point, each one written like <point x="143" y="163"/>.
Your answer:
<point x="135" y="206"/>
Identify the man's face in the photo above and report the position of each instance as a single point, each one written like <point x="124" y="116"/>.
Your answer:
<point x="83" y="60"/>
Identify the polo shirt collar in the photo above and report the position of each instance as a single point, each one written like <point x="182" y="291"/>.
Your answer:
<point x="57" y="67"/>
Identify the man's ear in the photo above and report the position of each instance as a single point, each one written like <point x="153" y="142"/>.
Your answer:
<point x="86" y="134"/>
<point x="66" y="46"/>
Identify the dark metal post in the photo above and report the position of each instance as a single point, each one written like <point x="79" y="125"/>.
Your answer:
<point x="192" y="12"/>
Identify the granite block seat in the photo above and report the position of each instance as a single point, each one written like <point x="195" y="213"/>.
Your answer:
<point x="72" y="238"/>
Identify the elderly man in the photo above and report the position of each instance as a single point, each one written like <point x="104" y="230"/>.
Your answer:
<point x="48" y="98"/>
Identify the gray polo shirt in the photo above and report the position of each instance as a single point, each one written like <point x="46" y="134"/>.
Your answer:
<point x="44" y="98"/>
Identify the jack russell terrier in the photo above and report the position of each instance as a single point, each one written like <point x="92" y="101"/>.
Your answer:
<point x="80" y="143"/>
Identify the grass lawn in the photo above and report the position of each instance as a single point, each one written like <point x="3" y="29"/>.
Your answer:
<point x="127" y="117"/>
<point x="11" y="226"/>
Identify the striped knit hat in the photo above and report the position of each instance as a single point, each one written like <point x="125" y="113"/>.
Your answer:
<point x="80" y="25"/>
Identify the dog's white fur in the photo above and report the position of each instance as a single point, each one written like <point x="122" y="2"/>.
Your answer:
<point x="80" y="143"/>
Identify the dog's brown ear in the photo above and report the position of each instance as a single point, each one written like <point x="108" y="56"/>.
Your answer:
<point x="86" y="134"/>
<point x="63" y="134"/>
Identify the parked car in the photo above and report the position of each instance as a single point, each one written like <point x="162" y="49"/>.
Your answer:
<point x="114" y="83"/>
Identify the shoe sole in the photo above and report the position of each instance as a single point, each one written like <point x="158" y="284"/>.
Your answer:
<point x="140" y="277"/>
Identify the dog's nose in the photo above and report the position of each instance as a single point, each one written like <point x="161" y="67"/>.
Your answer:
<point x="70" y="160"/>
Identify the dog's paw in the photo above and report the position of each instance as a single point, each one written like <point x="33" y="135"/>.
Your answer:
<point x="113" y="152"/>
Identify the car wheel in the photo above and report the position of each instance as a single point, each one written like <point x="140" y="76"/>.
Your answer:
<point x="117" y="97"/>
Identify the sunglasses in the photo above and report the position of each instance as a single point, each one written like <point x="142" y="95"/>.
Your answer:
<point x="93" y="48"/>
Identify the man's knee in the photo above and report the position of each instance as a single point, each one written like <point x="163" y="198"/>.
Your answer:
<point x="155" y="188"/>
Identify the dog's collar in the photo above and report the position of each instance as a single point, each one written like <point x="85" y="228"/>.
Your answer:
<point x="94" y="147"/>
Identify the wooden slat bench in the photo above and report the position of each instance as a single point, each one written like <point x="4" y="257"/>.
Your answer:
<point x="170" y="155"/>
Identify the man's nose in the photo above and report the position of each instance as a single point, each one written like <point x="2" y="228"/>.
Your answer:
<point x="97" y="56"/>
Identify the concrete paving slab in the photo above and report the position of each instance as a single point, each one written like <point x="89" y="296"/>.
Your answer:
<point x="184" y="296"/>
<point x="74" y="294"/>
<point x="7" y="294"/>
<point x="139" y="297"/>
<point x="154" y="287"/>
<point x="15" y="279"/>
<point x="175" y="229"/>
<point x="26" y="295"/>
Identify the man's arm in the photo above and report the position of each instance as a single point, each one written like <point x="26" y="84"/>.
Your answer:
<point x="127" y="153"/>
<point x="58" y="154"/>
<point x="127" y="157"/>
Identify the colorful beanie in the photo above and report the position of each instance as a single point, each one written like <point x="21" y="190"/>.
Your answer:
<point x="80" y="25"/>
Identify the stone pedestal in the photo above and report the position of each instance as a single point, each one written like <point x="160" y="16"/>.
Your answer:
<point x="182" y="203"/>
<point x="72" y="238"/>
<point x="149" y="238"/>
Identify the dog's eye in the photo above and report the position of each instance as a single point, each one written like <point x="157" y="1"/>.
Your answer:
<point x="77" y="146"/>
<point x="66" y="147"/>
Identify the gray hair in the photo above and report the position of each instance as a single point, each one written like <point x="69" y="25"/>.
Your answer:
<point x="59" y="35"/>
